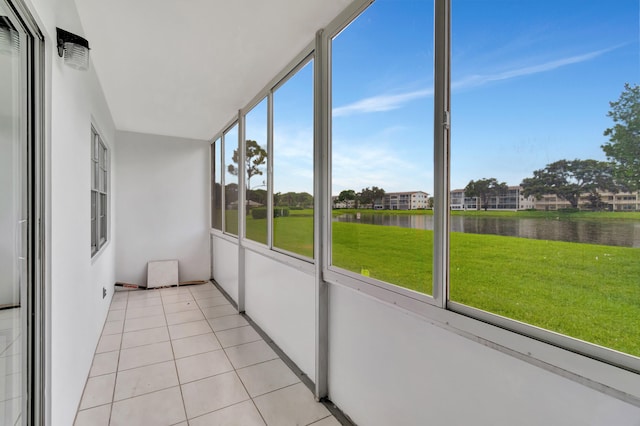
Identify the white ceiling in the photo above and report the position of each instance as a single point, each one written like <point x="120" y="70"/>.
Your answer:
<point x="184" y="67"/>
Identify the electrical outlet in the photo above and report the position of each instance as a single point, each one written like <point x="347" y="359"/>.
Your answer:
<point x="104" y="292"/>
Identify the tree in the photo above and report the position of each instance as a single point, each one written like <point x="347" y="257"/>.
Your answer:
<point x="257" y="195"/>
<point x="293" y="199"/>
<point x="569" y="179"/>
<point x="347" y="195"/>
<point x="623" y="148"/>
<point x="255" y="156"/>
<point x="370" y="196"/>
<point x="484" y="189"/>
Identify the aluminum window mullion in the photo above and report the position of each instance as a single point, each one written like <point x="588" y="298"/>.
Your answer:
<point x="270" y="169"/>
<point x="223" y="192"/>
<point x="242" y="208"/>
<point x="242" y="177"/>
<point x="322" y="205"/>
<point x="441" y="126"/>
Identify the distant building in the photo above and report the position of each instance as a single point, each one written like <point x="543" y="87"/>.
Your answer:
<point x="626" y="202"/>
<point x="346" y="204"/>
<point x="621" y="201"/>
<point x="513" y="199"/>
<point x="510" y="200"/>
<point x="415" y="200"/>
<point x="460" y="202"/>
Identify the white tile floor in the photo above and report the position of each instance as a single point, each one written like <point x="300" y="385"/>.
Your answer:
<point x="183" y="356"/>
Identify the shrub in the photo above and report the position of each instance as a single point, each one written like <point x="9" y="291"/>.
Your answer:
<point x="261" y="212"/>
<point x="280" y="211"/>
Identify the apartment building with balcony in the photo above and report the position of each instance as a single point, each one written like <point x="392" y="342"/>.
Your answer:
<point x="511" y="200"/>
<point x="619" y="201"/>
<point x="515" y="200"/>
<point x="410" y="200"/>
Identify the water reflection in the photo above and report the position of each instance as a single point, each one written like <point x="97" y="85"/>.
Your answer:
<point x="605" y="232"/>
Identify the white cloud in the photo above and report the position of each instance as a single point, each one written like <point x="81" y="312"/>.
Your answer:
<point x="293" y="161"/>
<point x="478" y="80"/>
<point x="380" y="103"/>
<point x="390" y="102"/>
<point x="295" y="143"/>
<point x="358" y="165"/>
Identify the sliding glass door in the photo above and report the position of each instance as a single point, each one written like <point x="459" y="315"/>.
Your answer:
<point x="18" y="134"/>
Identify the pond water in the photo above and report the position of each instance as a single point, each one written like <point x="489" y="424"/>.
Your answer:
<point x="605" y="232"/>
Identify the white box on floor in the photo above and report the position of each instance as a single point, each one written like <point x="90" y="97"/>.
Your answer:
<point x="162" y="273"/>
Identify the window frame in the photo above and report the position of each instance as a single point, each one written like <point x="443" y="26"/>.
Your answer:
<point x="223" y="178"/>
<point x="600" y="368"/>
<point x="100" y="192"/>
<point x="268" y="99"/>
<point x="307" y="60"/>
<point x="216" y="199"/>
<point x="388" y="292"/>
<point x="293" y="259"/>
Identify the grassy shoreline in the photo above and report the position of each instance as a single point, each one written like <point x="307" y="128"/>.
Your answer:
<point x="587" y="291"/>
<point x="538" y="214"/>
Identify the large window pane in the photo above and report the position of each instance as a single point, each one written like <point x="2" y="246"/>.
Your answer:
<point x="533" y="83"/>
<point x="256" y="166"/>
<point x="231" y="180"/>
<point x="382" y="144"/>
<point x="15" y="280"/>
<point x="216" y="185"/>
<point x="293" y="163"/>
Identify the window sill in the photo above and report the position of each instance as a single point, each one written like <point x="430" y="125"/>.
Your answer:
<point x="96" y="256"/>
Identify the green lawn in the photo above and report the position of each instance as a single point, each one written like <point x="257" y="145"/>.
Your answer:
<point x="591" y="292"/>
<point x="401" y="256"/>
<point x="293" y="233"/>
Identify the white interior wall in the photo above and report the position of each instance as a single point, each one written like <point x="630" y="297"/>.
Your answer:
<point x="225" y="265"/>
<point x="281" y="300"/>
<point x="389" y="367"/>
<point x="78" y="309"/>
<point x="74" y="280"/>
<point x="163" y="208"/>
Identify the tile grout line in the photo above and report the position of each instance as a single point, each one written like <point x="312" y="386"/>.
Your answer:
<point x="78" y="410"/>
<point x="304" y="378"/>
<point x="235" y="370"/>
<point x="195" y="298"/>
<point x="214" y="335"/>
<point x="115" y="381"/>
<point x="175" y="364"/>
<point x="223" y="349"/>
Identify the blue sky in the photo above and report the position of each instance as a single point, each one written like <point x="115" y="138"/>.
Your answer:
<point x="531" y="84"/>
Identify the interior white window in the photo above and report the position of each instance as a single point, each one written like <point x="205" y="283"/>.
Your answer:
<point x="99" y="192"/>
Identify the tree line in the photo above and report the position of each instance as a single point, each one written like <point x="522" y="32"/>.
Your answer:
<point x="569" y="179"/>
<point x="366" y="197"/>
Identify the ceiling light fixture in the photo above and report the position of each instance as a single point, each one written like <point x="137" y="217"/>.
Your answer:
<point x="74" y="49"/>
<point x="9" y="37"/>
